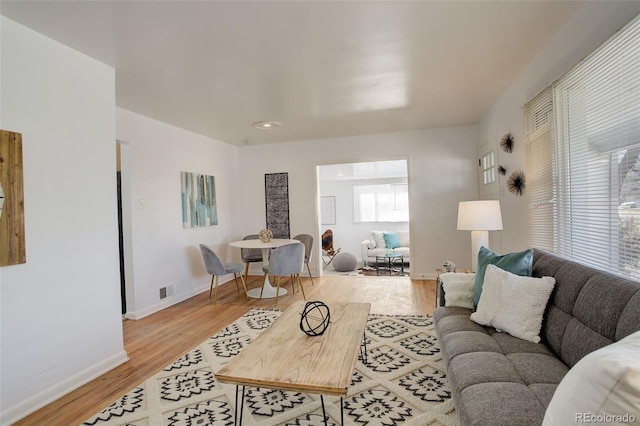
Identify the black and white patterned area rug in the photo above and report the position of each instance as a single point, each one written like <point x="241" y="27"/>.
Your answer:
<point x="404" y="382"/>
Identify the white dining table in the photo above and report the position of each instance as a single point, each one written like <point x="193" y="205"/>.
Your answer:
<point x="268" y="291"/>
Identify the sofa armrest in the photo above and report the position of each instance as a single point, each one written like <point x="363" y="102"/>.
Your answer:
<point x="364" y="249"/>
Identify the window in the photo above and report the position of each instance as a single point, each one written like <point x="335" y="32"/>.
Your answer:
<point x="488" y="168"/>
<point x="538" y="115"/>
<point x="381" y="203"/>
<point x="597" y="155"/>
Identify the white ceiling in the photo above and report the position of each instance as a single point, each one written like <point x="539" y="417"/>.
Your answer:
<point x="321" y="68"/>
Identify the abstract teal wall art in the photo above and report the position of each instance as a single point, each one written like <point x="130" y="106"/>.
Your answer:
<point x="199" y="207"/>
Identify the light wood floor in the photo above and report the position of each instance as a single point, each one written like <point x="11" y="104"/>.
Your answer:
<point x="157" y="340"/>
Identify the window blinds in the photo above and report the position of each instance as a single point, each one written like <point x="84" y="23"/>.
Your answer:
<point x="597" y="153"/>
<point x="537" y="121"/>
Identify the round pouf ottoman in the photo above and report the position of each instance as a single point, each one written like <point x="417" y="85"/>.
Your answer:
<point x="344" y="262"/>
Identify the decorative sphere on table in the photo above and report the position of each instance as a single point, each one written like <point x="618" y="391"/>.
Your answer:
<point x="315" y="318"/>
<point x="265" y="235"/>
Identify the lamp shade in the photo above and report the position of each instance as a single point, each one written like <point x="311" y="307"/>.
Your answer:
<point x="482" y="215"/>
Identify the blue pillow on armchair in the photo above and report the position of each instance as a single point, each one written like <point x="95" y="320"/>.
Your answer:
<point x="391" y="239"/>
<point x="519" y="263"/>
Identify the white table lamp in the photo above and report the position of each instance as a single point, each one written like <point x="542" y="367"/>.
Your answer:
<point x="479" y="217"/>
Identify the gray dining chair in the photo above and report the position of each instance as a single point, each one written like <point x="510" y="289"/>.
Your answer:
<point x="286" y="260"/>
<point x="217" y="268"/>
<point x="250" y="255"/>
<point x="307" y="240"/>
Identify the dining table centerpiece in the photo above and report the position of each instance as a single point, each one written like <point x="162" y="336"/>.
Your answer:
<point x="265" y="235"/>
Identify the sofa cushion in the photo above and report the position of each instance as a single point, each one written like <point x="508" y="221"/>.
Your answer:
<point x="538" y="368"/>
<point x="543" y="391"/>
<point x="606" y="381"/>
<point x="480" y="367"/>
<point x="382" y="251"/>
<point x="460" y="322"/>
<point x="378" y="238"/>
<point x="588" y="309"/>
<point x="391" y="239"/>
<point x="464" y="342"/>
<point x="630" y="317"/>
<point x="511" y="345"/>
<point x="601" y="317"/>
<point x="516" y="263"/>
<point x="499" y="404"/>
<point x="579" y="340"/>
<point x="442" y="312"/>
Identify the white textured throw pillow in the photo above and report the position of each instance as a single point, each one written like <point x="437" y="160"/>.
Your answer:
<point x="524" y="300"/>
<point x="378" y="238"/>
<point x="602" y="388"/>
<point x="491" y="296"/>
<point x="513" y="303"/>
<point x="458" y="289"/>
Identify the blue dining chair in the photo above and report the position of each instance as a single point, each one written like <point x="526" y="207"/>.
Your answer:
<point x="217" y="268"/>
<point x="286" y="260"/>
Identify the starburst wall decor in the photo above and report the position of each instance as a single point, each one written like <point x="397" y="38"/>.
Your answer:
<point x="506" y="143"/>
<point x="517" y="182"/>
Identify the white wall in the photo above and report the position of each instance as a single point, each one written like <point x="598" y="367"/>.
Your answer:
<point x="59" y="314"/>
<point x="162" y="252"/>
<point x="592" y="25"/>
<point x="442" y="172"/>
<point x="347" y="234"/>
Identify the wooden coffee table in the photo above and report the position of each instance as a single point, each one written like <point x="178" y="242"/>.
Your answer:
<point x="283" y="357"/>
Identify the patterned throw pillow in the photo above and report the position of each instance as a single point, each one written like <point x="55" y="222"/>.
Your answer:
<point x="378" y="238"/>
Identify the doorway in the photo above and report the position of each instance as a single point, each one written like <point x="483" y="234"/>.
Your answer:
<point x="359" y="197"/>
<point x="123" y="288"/>
<point x="124" y="226"/>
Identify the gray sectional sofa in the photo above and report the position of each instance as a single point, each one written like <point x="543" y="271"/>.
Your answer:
<point x="497" y="379"/>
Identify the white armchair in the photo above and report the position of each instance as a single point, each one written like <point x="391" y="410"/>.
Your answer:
<point x="376" y="246"/>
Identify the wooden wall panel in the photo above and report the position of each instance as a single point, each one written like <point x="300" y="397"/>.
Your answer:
<point x="12" y="235"/>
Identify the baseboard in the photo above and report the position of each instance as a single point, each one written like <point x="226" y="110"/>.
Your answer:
<point x="47" y="396"/>
<point x="165" y="303"/>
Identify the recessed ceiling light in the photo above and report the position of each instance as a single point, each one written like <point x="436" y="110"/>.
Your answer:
<point x="265" y="125"/>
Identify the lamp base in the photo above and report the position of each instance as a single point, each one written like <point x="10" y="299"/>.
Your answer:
<point x="478" y="239"/>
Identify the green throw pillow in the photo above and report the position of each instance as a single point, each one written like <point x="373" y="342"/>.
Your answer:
<point x="391" y="239"/>
<point x="517" y="263"/>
